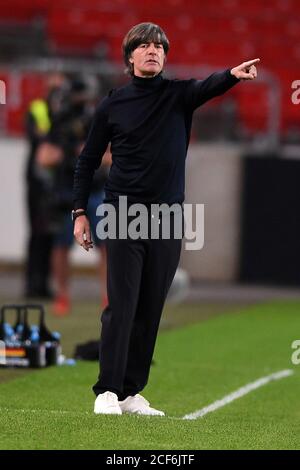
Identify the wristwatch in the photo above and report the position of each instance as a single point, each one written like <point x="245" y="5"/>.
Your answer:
<point x="76" y="214"/>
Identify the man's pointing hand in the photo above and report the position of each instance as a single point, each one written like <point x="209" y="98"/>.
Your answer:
<point x="246" y="71"/>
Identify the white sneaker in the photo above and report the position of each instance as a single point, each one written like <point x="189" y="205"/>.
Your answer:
<point x="107" y="404"/>
<point x="138" y="405"/>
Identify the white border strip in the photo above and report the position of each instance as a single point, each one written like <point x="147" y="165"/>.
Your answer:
<point x="239" y="393"/>
<point x="53" y="412"/>
<point x="197" y="414"/>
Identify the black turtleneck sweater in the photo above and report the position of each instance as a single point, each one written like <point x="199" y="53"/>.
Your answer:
<point x="148" y="123"/>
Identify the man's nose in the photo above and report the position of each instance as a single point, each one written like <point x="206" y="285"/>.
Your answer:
<point x="151" y="49"/>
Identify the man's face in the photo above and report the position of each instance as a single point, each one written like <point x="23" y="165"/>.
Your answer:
<point x="148" y="59"/>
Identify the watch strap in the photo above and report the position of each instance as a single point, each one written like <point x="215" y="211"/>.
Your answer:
<point x="76" y="214"/>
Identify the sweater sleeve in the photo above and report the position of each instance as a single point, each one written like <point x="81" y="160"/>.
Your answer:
<point x="91" y="156"/>
<point x="197" y="92"/>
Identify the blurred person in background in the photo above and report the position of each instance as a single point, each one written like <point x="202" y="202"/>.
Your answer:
<point x="38" y="121"/>
<point x="68" y="132"/>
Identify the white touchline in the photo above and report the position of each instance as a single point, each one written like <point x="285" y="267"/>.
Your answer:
<point x="53" y="412"/>
<point x="239" y="393"/>
<point x="197" y="414"/>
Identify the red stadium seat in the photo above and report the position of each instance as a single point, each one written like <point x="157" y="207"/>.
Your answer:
<point x="200" y="33"/>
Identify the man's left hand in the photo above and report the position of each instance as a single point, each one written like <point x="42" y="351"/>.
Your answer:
<point x="246" y="71"/>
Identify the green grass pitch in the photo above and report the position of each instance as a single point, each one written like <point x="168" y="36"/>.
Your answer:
<point x="199" y="358"/>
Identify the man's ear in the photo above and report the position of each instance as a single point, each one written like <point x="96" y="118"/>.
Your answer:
<point x="131" y="60"/>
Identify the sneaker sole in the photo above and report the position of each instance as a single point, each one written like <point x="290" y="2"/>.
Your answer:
<point x="107" y="412"/>
<point x="140" y="413"/>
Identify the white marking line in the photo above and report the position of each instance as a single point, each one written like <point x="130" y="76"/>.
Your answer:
<point x="239" y="393"/>
<point x="53" y="412"/>
<point x="197" y="414"/>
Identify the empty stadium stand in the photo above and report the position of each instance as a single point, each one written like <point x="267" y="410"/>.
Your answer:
<point x="200" y="33"/>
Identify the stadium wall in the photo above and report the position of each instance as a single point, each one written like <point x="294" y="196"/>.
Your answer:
<point x="213" y="178"/>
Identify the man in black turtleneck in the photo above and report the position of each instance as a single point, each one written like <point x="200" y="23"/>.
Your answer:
<point x="148" y="124"/>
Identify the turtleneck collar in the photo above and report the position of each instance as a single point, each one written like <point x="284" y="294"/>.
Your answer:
<point x="151" y="82"/>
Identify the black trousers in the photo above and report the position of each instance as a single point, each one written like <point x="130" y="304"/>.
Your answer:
<point x="39" y="248"/>
<point x="139" y="275"/>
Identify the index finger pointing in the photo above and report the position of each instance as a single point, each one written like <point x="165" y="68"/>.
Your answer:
<point x="250" y="62"/>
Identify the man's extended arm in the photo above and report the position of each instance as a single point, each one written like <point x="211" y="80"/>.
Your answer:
<point x="197" y="92"/>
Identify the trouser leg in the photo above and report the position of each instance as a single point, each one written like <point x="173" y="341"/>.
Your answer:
<point x="38" y="263"/>
<point x="125" y="260"/>
<point x="158" y="273"/>
<point x="37" y="271"/>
